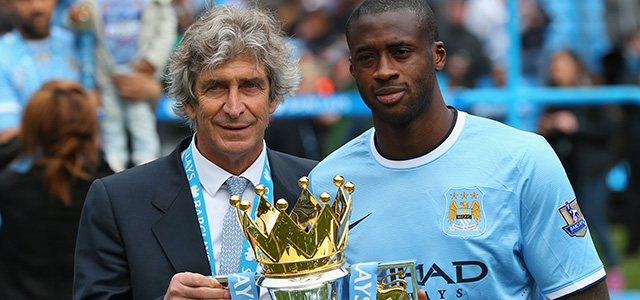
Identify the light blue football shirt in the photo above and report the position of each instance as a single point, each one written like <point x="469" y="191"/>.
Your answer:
<point x="487" y="214"/>
<point x="121" y="20"/>
<point x="26" y="65"/>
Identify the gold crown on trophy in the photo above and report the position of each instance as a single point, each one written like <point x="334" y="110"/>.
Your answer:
<point x="311" y="239"/>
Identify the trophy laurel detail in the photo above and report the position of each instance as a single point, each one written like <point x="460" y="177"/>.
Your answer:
<point x="302" y="254"/>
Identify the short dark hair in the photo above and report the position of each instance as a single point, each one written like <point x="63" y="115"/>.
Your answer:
<point x="419" y="7"/>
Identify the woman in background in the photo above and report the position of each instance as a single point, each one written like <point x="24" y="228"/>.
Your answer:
<point x="582" y="135"/>
<point x="43" y="190"/>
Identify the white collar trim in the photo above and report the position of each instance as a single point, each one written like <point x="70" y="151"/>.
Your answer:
<point x="426" y="158"/>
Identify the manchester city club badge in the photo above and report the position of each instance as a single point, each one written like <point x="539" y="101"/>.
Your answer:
<point x="576" y="224"/>
<point x="464" y="213"/>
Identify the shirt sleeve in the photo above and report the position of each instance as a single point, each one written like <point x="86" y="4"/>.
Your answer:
<point x="556" y="243"/>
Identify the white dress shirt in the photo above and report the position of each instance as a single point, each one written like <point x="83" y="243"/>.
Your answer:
<point x="216" y="195"/>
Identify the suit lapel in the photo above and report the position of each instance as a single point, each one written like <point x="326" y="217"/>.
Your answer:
<point x="178" y="231"/>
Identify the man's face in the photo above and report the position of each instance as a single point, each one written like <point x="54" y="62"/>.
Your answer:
<point x="233" y="109"/>
<point x="32" y="17"/>
<point x="394" y="62"/>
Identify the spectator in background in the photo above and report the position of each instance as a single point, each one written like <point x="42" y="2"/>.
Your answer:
<point x="534" y="22"/>
<point x="58" y="18"/>
<point x="466" y="60"/>
<point x="631" y="134"/>
<point x="579" y="26"/>
<point x="43" y="192"/>
<point x="317" y="30"/>
<point x="30" y="55"/>
<point x="622" y="20"/>
<point x="301" y="136"/>
<point x="187" y="11"/>
<point x="622" y="66"/>
<point x="134" y="40"/>
<point x="581" y="136"/>
<point x="318" y="50"/>
<point x="487" y="20"/>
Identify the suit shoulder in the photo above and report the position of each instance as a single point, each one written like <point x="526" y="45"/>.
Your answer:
<point x="149" y="172"/>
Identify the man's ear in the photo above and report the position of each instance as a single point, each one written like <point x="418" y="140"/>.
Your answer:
<point x="188" y="107"/>
<point x="273" y="104"/>
<point x="351" y="67"/>
<point x="439" y="55"/>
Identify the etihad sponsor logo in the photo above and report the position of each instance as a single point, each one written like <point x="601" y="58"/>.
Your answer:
<point x="459" y="272"/>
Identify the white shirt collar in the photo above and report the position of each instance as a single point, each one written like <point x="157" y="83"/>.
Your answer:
<point x="212" y="176"/>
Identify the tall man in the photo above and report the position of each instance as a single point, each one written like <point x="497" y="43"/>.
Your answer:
<point x="143" y="231"/>
<point x="486" y="210"/>
<point x="30" y="55"/>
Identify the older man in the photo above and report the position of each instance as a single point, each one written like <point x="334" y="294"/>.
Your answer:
<point x="148" y="232"/>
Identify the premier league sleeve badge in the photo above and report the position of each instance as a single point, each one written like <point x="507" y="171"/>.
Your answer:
<point x="576" y="224"/>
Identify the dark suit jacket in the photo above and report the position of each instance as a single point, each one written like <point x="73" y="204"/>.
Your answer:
<point x="37" y="236"/>
<point x="138" y="228"/>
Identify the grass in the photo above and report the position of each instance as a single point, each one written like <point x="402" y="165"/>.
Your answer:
<point x="630" y="264"/>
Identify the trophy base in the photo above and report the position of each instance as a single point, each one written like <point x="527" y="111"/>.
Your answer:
<point x="321" y="286"/>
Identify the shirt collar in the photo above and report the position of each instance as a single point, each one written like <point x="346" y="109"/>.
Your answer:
<point x="212" y="176"/>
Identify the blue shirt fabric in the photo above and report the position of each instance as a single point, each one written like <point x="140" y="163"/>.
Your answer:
<point x="26" y="65"/>
<point x="122" y="20"/>
<point x="579" y="26"/>
<point x="487" y="214"/>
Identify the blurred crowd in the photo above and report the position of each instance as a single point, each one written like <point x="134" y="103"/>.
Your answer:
<point x="118" y="50"/>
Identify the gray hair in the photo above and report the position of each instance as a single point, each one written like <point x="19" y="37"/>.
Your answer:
<point x="226" y="32"/>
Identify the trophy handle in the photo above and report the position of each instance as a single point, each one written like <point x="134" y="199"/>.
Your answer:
<point x="397" y="287"/>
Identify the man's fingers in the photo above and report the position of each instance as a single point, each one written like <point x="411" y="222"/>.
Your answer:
<point x="422" y="295"/>
<point x="195" y="280"/>
<point x="207" y="293"/>
<point x="195" y="286"/>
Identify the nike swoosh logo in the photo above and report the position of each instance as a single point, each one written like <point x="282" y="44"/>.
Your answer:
<point x="356" y="222"/>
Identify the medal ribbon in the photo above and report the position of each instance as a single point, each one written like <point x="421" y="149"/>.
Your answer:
<point x="248" y="261"/>
<point x="243" y="286"/>
<point x="363" y="281"/>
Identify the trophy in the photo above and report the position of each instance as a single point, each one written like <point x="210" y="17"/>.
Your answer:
<point x="302" y="253"/>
